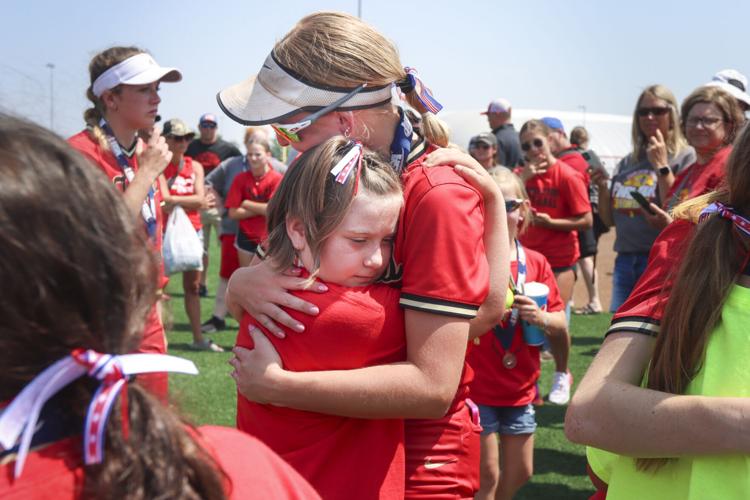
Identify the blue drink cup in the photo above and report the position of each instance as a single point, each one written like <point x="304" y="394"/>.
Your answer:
<point x="538" y="292"/>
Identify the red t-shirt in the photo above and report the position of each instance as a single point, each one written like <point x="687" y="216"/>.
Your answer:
<point x="248" y="187"/>
<point x="559" y="192"/>
<point x="254" y="471"/>
<point x="153" y="340"/>
<point x="439" y="251"/>
<point x="698" y="179"/>
<point x="341" y="457"/>
<point x="495" y="385"/>
<point x="183" y="184"/>
<point x="644" y="308"/>
<point x="574" y="159"/>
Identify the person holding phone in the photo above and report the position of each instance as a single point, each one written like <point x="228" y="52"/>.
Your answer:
<point x="656" y="129"/>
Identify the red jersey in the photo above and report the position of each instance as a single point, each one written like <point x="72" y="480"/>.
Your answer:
<point x="574" y="159"/>
<point x="181" y="182"/>
<point x="254" y="471"/>
<point x="698" y="179"/>
<point x="248" y="187"/>
<point x="560" y="193"/>
<point x="341" y="457"/>
<point x="644" y="308"/>
<point x="153" y="340"/>
<point x="495" y="385"/>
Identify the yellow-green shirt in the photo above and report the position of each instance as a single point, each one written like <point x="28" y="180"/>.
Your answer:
<point x="725" y="372"/>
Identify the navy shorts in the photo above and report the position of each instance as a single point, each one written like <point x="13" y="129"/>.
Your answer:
<point x="508" y="420"/>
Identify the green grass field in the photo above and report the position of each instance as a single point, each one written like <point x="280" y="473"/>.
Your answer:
<point x="210" y="398"/>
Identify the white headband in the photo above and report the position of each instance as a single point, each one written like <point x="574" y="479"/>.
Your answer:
<point x="135" y="70"/>
<point x="278" y="92"/>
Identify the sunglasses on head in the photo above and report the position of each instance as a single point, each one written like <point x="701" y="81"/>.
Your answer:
<point x="659" y="111"/>
<point x="537" y="143"/>
<point x="207" y="125"/>
<point x="290" y="131"/>
<point x="512" y="205"/>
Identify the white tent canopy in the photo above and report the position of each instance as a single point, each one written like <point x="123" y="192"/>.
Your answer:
<point x="609" y="134"/>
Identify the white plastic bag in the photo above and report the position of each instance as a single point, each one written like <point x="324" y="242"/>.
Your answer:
<point x="183" y="250"/>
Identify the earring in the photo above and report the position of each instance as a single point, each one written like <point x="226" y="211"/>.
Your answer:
<point x="347" y="132"/>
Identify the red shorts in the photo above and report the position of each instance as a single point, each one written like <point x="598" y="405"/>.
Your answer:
<point x="442" y="456"/>
<point x="230" y="261"/>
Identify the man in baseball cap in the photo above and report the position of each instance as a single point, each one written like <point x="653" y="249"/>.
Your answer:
<point x="508" y="145"/>
<point x="735" y="83"/>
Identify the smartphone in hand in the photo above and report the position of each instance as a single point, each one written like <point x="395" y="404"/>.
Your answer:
<point x="642" y="201"/>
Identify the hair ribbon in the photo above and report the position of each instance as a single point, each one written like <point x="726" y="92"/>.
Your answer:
<point x="412" y="82"/>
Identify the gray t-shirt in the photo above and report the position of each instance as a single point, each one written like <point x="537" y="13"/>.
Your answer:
<point x="634" y="235"/>
<point x="220" y="179"/>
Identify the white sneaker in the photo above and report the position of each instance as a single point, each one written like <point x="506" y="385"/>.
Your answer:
<point x="206" y="345"/>
<point x="560" y="392"/>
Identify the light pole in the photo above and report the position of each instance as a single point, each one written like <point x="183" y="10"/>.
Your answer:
<point x="51" y="95"/>
<point x="582" y="107"/>
<point x="359" y="9"/>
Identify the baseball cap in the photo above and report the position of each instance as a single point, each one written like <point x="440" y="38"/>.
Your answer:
<point x="553" y="123"/>
<point x="277" y="92"/>
<point x="208" y="118"/>
<point x="135" y="70"/>
<point x="499" y="105"/>
<point x="484" y="138"/>
<point x="176" y="127"/>
<point x="733" y="82"/>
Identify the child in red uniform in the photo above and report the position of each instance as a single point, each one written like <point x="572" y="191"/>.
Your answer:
<point x="310" y="88"/>
<point x="560" y="203"/>
<point x="182" y="183"/>
<point x="90" y="289"/>
<point x="248" y="197"/>
<point x="506" y="369"/>
<point x="124" y="90"/>
<point x="344" y="238"/>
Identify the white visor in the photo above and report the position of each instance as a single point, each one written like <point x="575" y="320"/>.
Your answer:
<point x="139" y="69"/>
<point x="277" y="93"/>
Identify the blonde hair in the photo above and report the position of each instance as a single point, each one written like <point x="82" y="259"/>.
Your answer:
<point x="675" y="140"/>
<point x="98" y="65"/>
<point x="338" y="49"/>
<point x="310" y="193"/>
<point x="503" y="176"/>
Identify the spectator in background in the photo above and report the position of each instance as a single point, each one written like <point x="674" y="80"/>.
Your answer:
<point x="711" y="120"/>
<point x="508" y="146"/>
<point x="219" y="181"/>
<point x="656" y="113"/>
<point x="735" y="83"/>
<point x="560" y="207"/>
<point x="182" y="185"/>
<point x="483" y="148"/>
<point x="209" y="150"/>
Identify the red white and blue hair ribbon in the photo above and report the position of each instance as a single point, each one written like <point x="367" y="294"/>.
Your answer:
<point x="726" y="212"/>
<point x="424" y="94"/>
<point x="19" y="420"/>
<point x="344" y="167"/>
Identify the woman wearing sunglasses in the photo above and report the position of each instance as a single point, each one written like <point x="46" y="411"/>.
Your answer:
<point x="334" y="75"/>
<point x="560" y="206"/>
<point x="657" y="142"/>
<point x="124" y="92"/>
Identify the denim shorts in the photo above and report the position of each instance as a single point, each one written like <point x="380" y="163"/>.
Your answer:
<point x="512" y="420"/>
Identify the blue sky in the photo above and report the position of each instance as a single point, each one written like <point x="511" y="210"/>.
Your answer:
<point x="541" y="54"/>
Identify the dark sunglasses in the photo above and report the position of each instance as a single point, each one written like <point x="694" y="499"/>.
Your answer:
<point x="207" y="125"/>
<point x="512" y="205"/>
<point x="181" y="138"/>
<point x="480" y="145"/>
<point x="537" y="143"/>
<point x="643" y="112"/>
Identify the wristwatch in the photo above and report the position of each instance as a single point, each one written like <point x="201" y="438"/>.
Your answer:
<point x="665" y="170"/>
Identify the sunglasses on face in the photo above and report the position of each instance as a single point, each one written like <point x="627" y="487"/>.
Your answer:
<point x="512" y="205"/>
<point x="207" y="125"/>
<point x="480" y="145"/>
<point x="290" y="131"/>
<point x="180" y="138"/>
<point x="659" y="111"/>
<point x="537" y="143"/>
